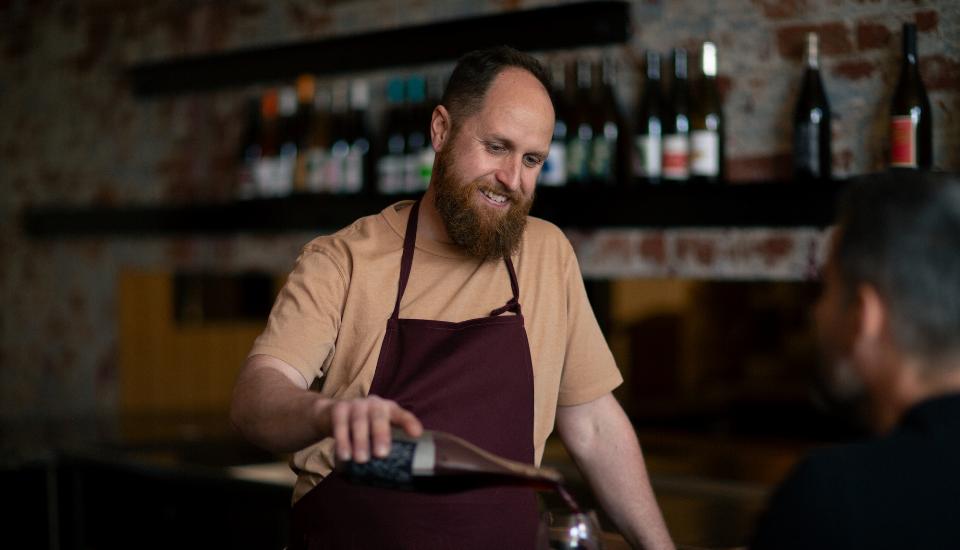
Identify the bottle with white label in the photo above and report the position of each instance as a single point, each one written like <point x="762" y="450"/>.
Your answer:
<point x="648" y="139"/>
<point x="706" y="122"/>
<point x="554" y="171"/>
<point x="676" y="128"/>
<point x="911" y="119"/>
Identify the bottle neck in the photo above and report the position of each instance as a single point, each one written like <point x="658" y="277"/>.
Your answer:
<point x="910" y="44"/>
<point x="812" y="54"/>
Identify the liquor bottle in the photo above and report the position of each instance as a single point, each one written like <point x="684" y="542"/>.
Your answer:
<point x="393" y="145"/>
<point x="911" y="120"/>
<point x="249" y="152"/>
<point x="306" y="90"/>
<point x="318" y="143"/>
<point x="676" y="128"/>
<point x="441" y="461"/>
<point x="706" y="122"/>
<point x="812" y="158"/>
<point x="580" y="131"/>
<point x="287" y="157"/>
<point x="340" y="144"/>
<point x="357" y="166"/>
<point x="648" y="141"/>
<point x="554" y="171"/>
<point x="265" y="171"/>
<point x="605" y="124"/>
<point x="417" y="135"/>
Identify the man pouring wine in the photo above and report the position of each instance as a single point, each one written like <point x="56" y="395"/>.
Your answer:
<point x="456" y="312"/>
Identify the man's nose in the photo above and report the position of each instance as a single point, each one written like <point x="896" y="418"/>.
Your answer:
<point x="509" y="172"/>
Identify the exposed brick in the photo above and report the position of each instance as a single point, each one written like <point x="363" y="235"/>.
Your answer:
<point x="855" y="70"/>
<point x="774" y="167"/>
<point x="927" y="20"/>
<point x="834" y="39"/>
<point x="871" y="36"/>
<point x="781" y="9"/>
<point x="940" y="72"/>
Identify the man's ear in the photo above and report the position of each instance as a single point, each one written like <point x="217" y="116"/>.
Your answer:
<point x="440" y="124"/>
<point x="872" y="314"/>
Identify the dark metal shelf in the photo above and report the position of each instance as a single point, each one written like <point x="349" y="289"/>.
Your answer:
<point x="743" y="205"/>
<point x="557" y="27"/>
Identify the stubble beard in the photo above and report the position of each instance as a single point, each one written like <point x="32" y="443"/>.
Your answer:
<point x="481" y="232"/>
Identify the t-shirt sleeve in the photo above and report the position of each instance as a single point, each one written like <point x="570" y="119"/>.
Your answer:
<point x="305" y="319"/>
<point x="589" y="370"/>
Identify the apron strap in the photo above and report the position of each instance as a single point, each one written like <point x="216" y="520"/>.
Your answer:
<point x="406" y="264"/>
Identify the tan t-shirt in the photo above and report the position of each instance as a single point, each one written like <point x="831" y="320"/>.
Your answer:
<point x="330" y="317"/>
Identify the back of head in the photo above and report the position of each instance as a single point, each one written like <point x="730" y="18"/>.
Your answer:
<point x="900" y="232"/>
<point x="474" y="73"/>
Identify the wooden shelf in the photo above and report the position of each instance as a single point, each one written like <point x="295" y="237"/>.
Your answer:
<point x="745" y="205"/>
<point x="557" y="27"/>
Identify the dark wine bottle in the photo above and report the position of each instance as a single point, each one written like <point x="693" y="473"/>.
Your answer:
<point x="648" y="141"/>
<point x="554" y="171"/>
<point x="812" y="158"/>
<point x="391" y="162"/>
<point x="676" y="129"/>
<point x="605" y="154"/>
<point x="580" y="131"/>
<point x="439" y="461"/>
<point x="911" y="119"/>
<point x="706" y="122"/>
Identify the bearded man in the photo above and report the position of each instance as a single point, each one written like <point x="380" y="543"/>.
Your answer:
<point x="889" y="322"/>
<point x="456" y="312"/>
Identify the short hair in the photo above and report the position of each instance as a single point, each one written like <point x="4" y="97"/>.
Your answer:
<point x="900" y="232"/>
<point x="475" y="71"/>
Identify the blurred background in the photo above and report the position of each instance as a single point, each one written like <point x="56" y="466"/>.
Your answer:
<point x="152" y="206"/>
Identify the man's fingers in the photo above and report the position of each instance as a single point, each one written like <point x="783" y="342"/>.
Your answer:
<point x="340" y="422"/>
<point x="360" y="431"/>
<point x="406" y="420"/>
<point x="380" y="428"/>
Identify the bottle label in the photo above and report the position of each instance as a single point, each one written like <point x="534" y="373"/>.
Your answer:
<point x="903" y="142"/>
<point x="676" y="156"/>
<point x="705" y="153"/>
<point x="554" y="170"/>
<point x="390" y="174"/>
<point x="806" y="149"/>
<point x="649" y="156"/>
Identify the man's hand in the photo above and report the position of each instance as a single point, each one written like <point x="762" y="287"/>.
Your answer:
<point x="273" y="408"/>
<point x="356" y="424"/>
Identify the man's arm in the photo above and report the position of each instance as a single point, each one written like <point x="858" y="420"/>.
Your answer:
<point x="601" y="440"/>
<point x="273" y="408"/>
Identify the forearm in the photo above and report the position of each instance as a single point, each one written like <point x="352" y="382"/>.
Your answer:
<point x="273" y="413"/>
<point x="606" y="450"/>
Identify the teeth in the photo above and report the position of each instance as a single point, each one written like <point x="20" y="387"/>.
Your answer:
<point x="494" y="197"/>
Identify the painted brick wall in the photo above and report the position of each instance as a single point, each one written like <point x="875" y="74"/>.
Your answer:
<point x="70" y="132"/>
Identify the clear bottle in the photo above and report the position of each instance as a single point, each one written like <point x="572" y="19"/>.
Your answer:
<point x="706" y="122"/>
<point x="812" y="158"/>
<point x="911" y="119"/>
<point x="648" y="138"/>
<point x="676" y="128"/>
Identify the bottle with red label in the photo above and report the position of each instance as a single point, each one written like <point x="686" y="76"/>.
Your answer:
<point x="911" y="121"/>
<point x="676" y="128"/>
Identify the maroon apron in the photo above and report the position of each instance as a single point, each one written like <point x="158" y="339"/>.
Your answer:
<point x="473" y="379"/>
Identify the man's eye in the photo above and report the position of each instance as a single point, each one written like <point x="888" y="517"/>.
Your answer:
<point x="496" y="148"/>
<point x="532" y="161"/>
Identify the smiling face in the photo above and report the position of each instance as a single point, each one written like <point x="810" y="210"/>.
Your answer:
<point x="488" y="163"/>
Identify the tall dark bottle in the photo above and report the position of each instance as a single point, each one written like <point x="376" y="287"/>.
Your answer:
<point x="554" y="171"/>
<point x="580" y="131"/>
<point x="706" y="122"/>
<point x="911" y="119"/>
<point x="676" y="129"/>
<point x="606" y="122"/>
<point x="648" y="138"/>
<point x="812" y="158"/>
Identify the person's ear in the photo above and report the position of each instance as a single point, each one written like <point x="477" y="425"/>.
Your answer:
<point x="871" y="314"/>
<point x="440" y="126"/>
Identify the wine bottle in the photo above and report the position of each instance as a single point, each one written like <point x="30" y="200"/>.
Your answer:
<point x="648" y="141"/>
<point x="265" y="169"/>
<point x="417" y="132"/>
<point x="442" y="461"/>
<point x="318" y="143"/>
<point x="676" y="131"/>
<point x="392" y="150"/>
<point x="287" y="157"/>
<point x="911" y="124"/>
<point x="812" y="158"/>
<point x="249" y="152"/>
<point x="605" y="124"/>
<point x="580" y="131"/>
<point x="306" y="90"/>
<point x="706" y="122"/>
<point x="554" y="171"/>
<point x="357" y="166"/>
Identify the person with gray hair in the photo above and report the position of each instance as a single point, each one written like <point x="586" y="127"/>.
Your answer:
<point x="888" y="321"/>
